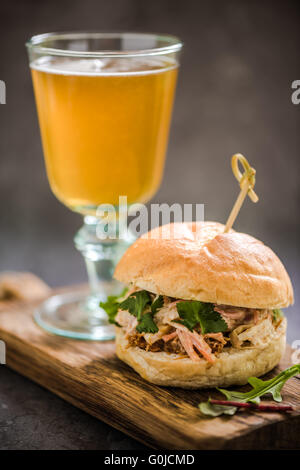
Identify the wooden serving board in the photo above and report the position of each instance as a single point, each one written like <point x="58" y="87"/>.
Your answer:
<point x="90" y="376"/>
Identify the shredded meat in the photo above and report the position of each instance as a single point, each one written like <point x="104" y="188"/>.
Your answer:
<point x="138" y="340"/>
<point x="173" y="337"/>
<point x="235" y="316"/>
<point x="215" y="345"/>
<point x="174" y="346"/>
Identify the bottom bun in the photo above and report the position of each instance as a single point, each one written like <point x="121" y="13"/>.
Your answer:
<point x="232" y="367"/>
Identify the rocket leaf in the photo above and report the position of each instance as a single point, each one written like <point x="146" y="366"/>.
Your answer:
<point x="259" y="389"/>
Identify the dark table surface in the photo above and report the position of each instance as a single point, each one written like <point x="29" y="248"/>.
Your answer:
<point x="33" y="418"/>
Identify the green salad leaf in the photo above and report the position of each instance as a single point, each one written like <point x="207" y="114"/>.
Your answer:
<point x="259" y="389"/>
<point x="147" y="324"/>
<point x="157" y="304"/>
<point x="208" y="409"/>
<point x="136" y="303"/>
<point x="111" y="305"/>
<point x="277" y="313"/>
<point x="262" y="387"/>
<point x="194" y="312"/>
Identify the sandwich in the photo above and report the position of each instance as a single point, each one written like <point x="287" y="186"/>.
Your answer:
<point x="202" y="307"/>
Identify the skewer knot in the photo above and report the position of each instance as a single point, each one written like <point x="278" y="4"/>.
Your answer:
<point x="248" y="177"/>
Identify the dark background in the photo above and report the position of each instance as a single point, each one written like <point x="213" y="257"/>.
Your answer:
<point x="234" y="95"/>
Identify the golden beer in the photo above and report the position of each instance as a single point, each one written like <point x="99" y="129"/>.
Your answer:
<point x="104" y="126"/>
<point x="104" y="103"/>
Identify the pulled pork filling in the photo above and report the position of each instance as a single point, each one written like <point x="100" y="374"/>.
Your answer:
<point x="246" y="328"/>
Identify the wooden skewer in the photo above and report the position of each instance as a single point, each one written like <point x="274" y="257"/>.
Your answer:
<point x="247" y="182"/>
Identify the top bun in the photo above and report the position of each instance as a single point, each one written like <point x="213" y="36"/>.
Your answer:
<point x="197" y="261"/>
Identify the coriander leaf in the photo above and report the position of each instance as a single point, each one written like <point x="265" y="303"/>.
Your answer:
<point x="195" y="312"/>
<point x="188" y="312"/>
<point x="259" y="389"/>
<point x="277" y="313"/>
<point x="146" y="324"/>
<point x="157" y="304"/>
<point x="211" y="321"/>
<point x="112" y="304"/>
<point x="136" y="303"/>
<point x="209" y="409"/>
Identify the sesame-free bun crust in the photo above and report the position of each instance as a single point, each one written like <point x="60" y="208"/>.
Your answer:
<point x="203" y="263"/>
<point x="232" y="367"/>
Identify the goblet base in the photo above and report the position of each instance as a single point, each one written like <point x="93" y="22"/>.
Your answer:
<point x="75" y="315"/>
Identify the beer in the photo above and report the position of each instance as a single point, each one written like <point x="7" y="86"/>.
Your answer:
<point x="104" y="126"/>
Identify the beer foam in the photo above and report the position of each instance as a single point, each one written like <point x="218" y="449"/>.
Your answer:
<point x="103" y="66"/>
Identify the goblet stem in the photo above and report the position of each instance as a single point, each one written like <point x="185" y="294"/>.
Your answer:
<point x="101" y="257"/>
<point x="78" y="315"/>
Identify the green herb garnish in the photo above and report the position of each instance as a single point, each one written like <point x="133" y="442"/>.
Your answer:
<point x="277" y="313"/>
<point x="136" y="304"/>
<point x="259" y="389"/>
<point x="157" y="304"/>
<point x="139" y="304"/>
<point x="111" y="306"/>
<point x="193" y="313"/>
<point x="147" y="324"/>
<point x="209" y="409"/>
